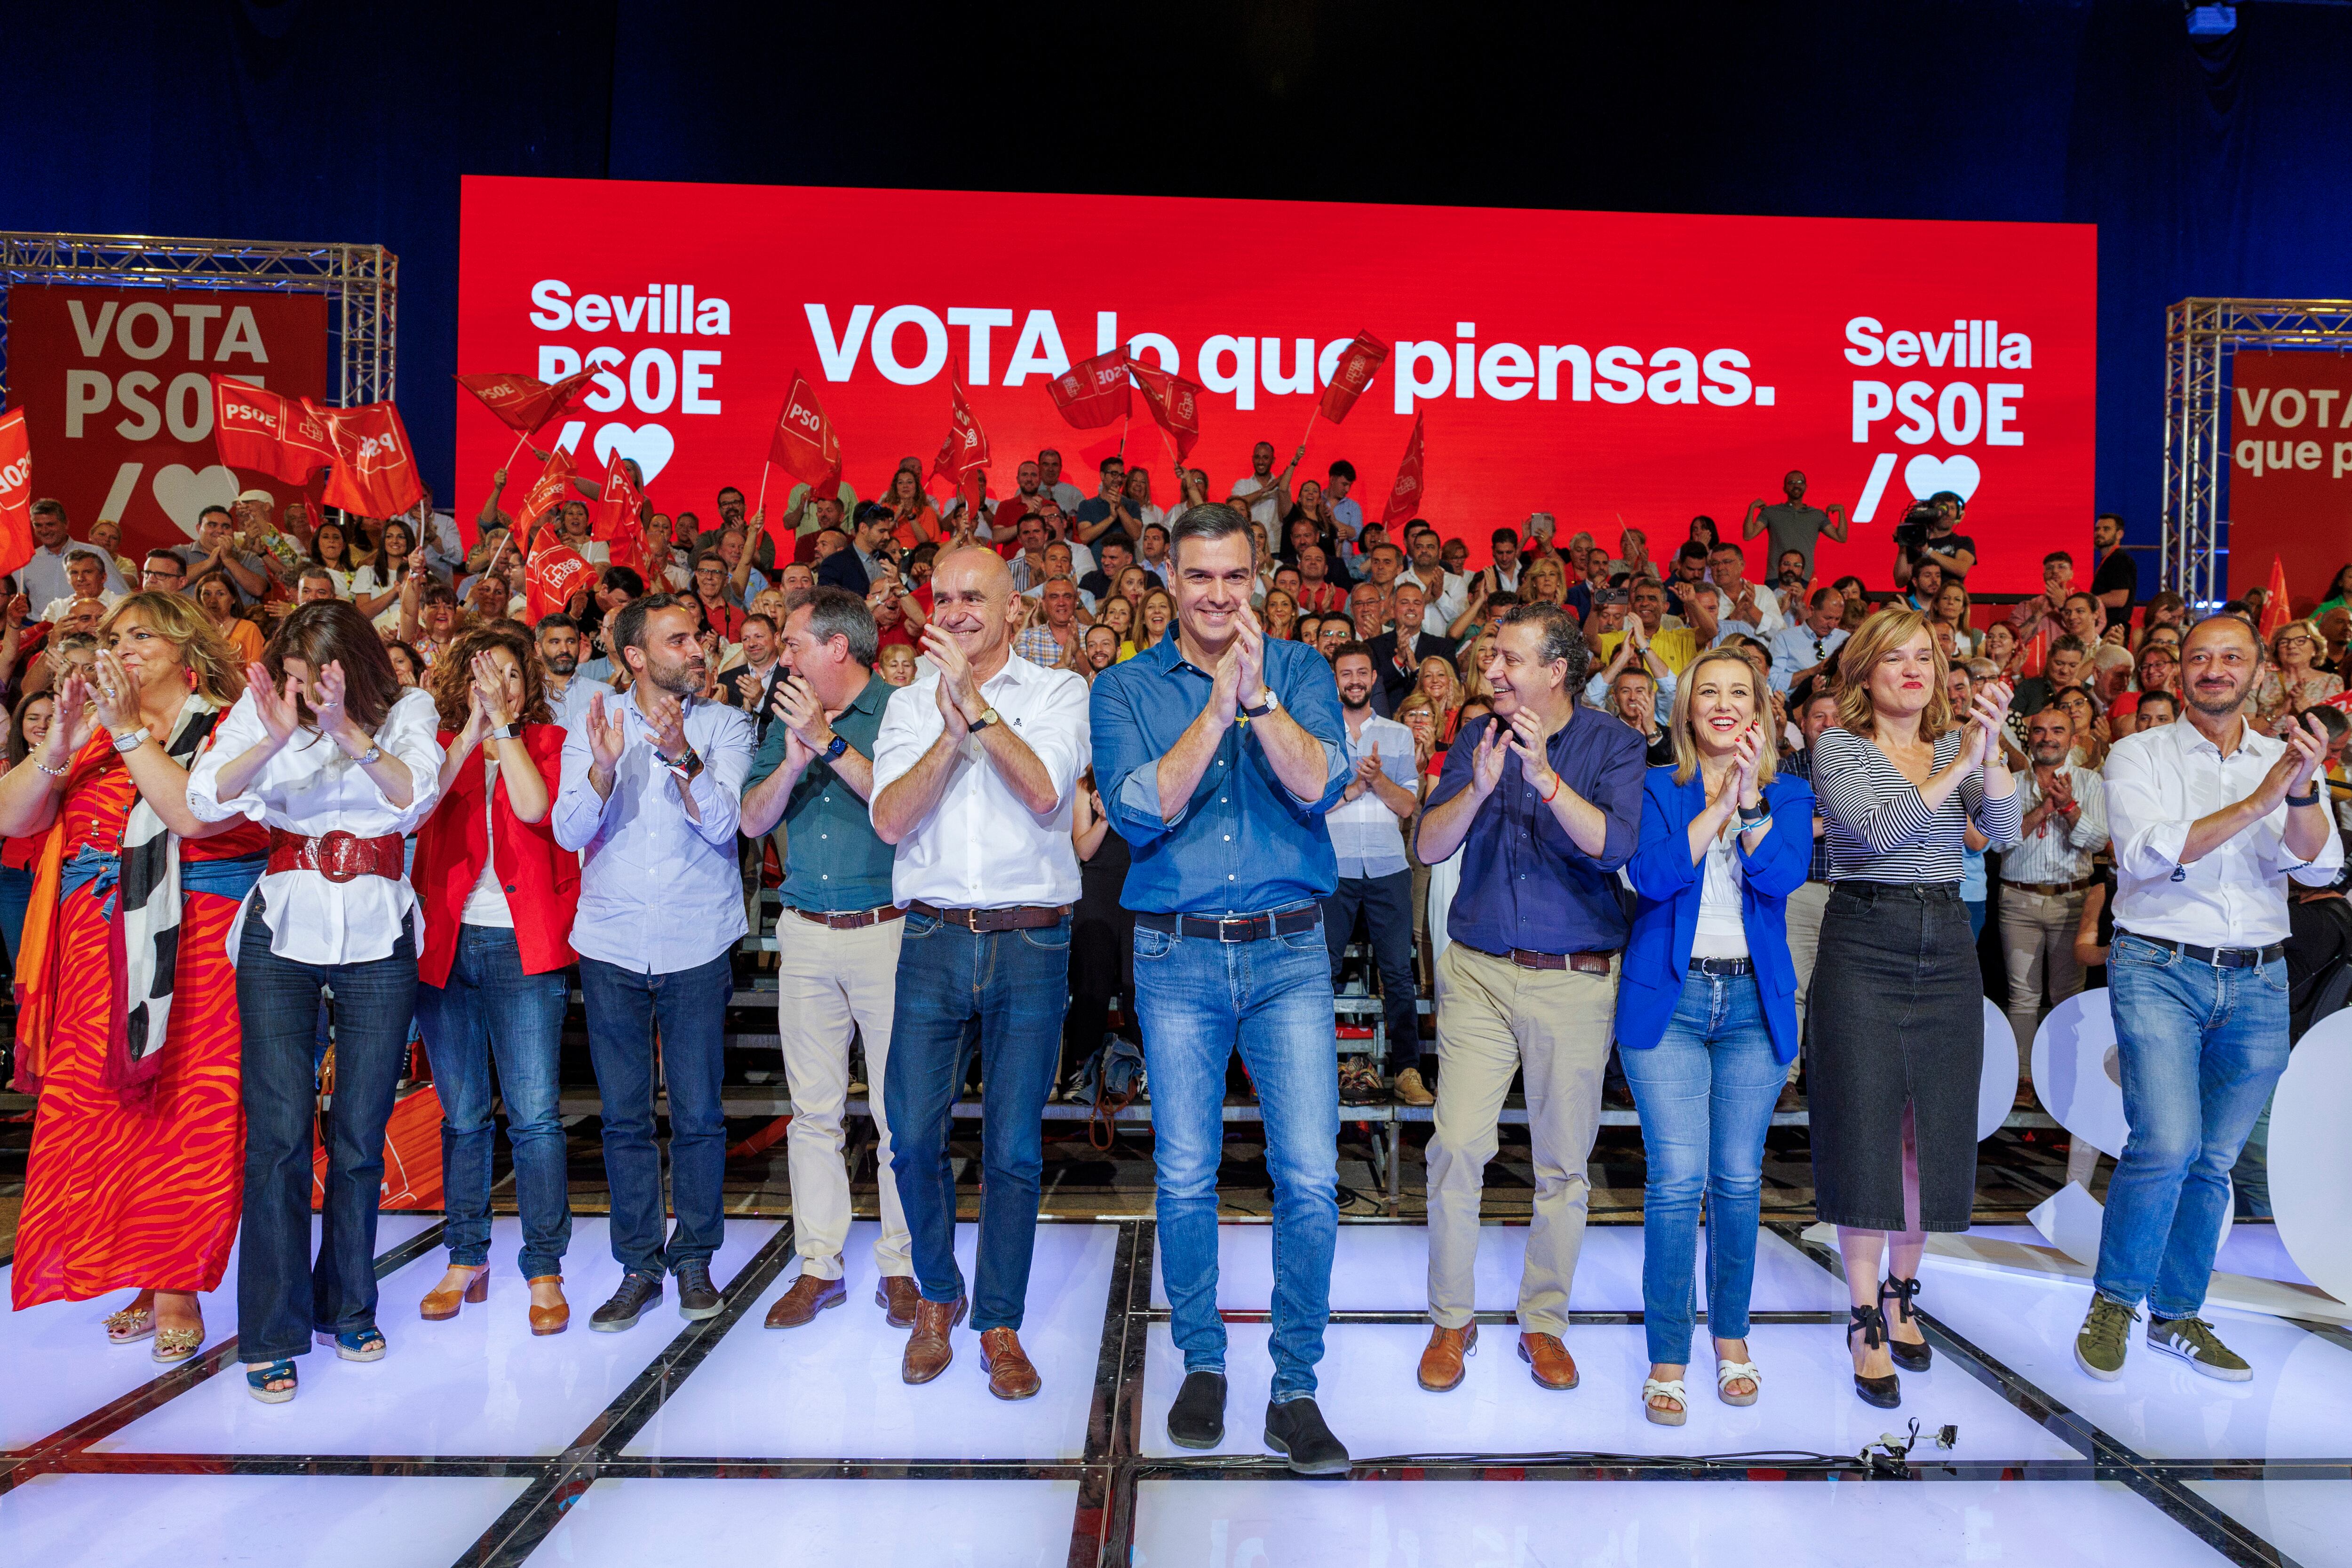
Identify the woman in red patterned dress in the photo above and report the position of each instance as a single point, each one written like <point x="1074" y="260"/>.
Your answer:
<point x="127" y="1021"/>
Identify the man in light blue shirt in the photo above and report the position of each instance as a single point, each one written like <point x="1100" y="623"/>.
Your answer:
<point x="652" y="790"/>
<point x="1812" y="645"/>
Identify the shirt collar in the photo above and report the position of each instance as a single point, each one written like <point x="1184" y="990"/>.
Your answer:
<point x="871" y="696"/>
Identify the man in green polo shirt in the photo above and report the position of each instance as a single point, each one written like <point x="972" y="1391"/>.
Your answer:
<point x="838" y="939"/>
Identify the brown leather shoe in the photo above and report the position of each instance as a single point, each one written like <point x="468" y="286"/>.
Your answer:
<point x="1548" y="1361"/>
<point x="551" y="1320"/>
<point x="1441" y="1361"/>
<point x="1010" y="1374"/>
<point x="807" y="1298"/>
<point x="927" y="1352"/>
<point x="439" y="1305"/>
<point x="896" y="1296"/>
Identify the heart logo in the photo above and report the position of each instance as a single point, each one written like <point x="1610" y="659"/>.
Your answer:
<point x="1926" y="475"/>
<point x="183" y="492"/>
<point x="648" y="446"/>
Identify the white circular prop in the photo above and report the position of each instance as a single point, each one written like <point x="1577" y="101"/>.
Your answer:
<point x="1997" y="1086"/>
<point x="2078" y="1073"/>
<point x="2311" y="1154"/>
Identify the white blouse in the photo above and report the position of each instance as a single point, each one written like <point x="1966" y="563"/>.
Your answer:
<point x="1722" y="928"/>
<point x="311" y="788"/>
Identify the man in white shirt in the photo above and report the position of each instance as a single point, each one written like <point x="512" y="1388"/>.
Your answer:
<point x="43" y="577"/>
<point x="568" y="690"/>
<point x="2043" y="876"/>
<point x="652" y="791"/>
<point x="1448" y="592"/>
<point x="1050" y="480"/>
<point x="86" y="577"/>
<point x="1264" y="491"/>
<point x="1743" y="601"/>
<point x="1375" y="877"/>
<point x="2209" y="819"/>
<point x="974" y="769"/>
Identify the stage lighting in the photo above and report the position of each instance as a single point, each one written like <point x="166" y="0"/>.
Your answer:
<point x="2212" y="21"/>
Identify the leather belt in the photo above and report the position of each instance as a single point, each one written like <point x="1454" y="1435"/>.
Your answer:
<point x="2218" y="957"/>
<point x="2050" y="889"/>
<point x="1236" y="928"/>
<point x="1723" y="967"/>
<point x="856" y="920"/>
<point x="338" y="856"/>
<point x="1580" y="962"/>
<point x="1019" y="917"/>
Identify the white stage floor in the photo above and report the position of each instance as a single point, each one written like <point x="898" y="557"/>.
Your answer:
<point x="805" y="1445"/>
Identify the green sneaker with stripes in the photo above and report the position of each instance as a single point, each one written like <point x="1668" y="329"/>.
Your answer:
<point x="2106" y="1336"/>
<point x="2194" y="1341"/>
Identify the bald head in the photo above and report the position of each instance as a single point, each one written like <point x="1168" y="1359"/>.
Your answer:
<point x="972" y="601"/>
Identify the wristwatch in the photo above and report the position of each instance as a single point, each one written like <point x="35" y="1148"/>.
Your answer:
<point x="1273" y="704"/>
<point x="129" y="742"/>
<point x="683" y="768"/>
<point x="2310" y="799"/>
<point x="506" y="732"/>
<point x="1751" y="816"/>
<point x="984" y="721"/>
<point x="837" y="746"/>
<point x="374" y="754"/>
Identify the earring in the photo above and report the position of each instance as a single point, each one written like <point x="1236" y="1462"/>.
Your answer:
<point x="191" y="680"/>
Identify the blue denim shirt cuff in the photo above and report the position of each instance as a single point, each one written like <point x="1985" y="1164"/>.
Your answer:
<point x="1139" y="799"/>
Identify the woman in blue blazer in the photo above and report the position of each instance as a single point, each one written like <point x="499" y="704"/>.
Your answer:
<point x="1707" y="1016"/>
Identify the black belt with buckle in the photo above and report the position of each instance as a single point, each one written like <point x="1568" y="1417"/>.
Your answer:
<point x="1019" y="917"/>
<point x="1723" y="967"/>
<point x="1236" y="928"/>
<point x="851" y="919"/>
<point x="2218" y="957"/>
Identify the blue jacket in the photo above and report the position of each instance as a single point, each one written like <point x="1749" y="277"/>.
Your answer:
<point x="1657" y="955"/>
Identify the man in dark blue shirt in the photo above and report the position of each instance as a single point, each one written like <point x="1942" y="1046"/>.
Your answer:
<point x="1544" y="800"/>
<point x="1105" y="516"/>
<point x="1218" y="752"/>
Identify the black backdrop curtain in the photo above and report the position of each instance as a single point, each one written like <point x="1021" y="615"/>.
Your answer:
<point x="2209" y="168"/>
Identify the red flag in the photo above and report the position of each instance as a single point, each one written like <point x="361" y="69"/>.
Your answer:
<point x="1352" y="374"/>
<point x="2037" y="654"/>
<point x="2276" y="610"/>
<point x="524" y="403"/>
<point x="1092" y="394"/>
<point x="375" y="468"/>
<point x="1404" y="497"/>
<point x="618" y="518"/>
<point x="269" y="434"/>
<point x="2342" y="699"/>
<point x="966" y="448"/>
<point x="548" y="493"/>
<point x="805" y="445"/>
<point x="15" y="491"/>
<point x="551" y="576"/>
<point x="1175" y="403"/>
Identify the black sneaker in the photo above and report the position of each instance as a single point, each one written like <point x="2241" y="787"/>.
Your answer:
<point x="638" y="1292"/>
<point x="1197" y="1419"/>
<point x="1294" y="1429"/>
<point x="697" y="1298"/>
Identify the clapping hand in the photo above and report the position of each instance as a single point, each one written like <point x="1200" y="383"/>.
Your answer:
<point x="608" y="734"/>
<point x="69" y="730"/>
<point x="489" y="694"/>
<point x="278" y="707"/>
<point x="957" y="683"/>
<point x="666" y="719"/>
<point x="2306" y="749"/>
<point x="113" y="694"/>
<point x="1989" y="711"/>
<point x="1486" y="761"/>
<point x="326" y="694"/>
<point x="1526" y="738"/>
<point x="1249" y="641"/>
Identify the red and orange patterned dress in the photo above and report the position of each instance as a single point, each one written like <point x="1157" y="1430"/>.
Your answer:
<point x="122" y="1195"/>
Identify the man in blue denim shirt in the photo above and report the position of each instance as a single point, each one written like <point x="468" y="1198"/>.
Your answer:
<point x="1218" y="754"/>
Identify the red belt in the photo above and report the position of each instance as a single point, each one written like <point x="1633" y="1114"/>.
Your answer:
<point x="338" y="856"/>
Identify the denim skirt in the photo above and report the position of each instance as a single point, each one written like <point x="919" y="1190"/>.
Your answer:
<point x="1897" y="1013"/>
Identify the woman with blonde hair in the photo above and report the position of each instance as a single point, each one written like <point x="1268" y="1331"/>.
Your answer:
<point x="2299" y="677"/>
<point x="1545" y="581"/>
<point x="1279" y="616"/>
<point x="1706" y="1011"/>
<point x="1952" y="606"/>
<point x="1897" y="997"/>
<point x="129" y="1029"/>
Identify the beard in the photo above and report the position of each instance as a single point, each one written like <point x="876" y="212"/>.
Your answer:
<point x="683" y="678"/>
<point x="2213" y="709"/>
<point x="562" y="663"/>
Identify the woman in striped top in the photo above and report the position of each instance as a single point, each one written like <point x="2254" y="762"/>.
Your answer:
<point x="1897" y="1002"/>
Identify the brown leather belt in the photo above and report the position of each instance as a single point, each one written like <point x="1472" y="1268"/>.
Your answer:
<point x="1020" y="917"/>
<point x="856" y="920"/>
<point x="338" y="856"/>
<point x="2050" y="889"/>
<point x="1581" y="963"/>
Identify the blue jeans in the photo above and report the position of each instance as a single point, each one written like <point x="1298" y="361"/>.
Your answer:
<point x="689" y="1007"/>
<point x="15" y="898"/>
<point x="1387" y="903"/>
<point x="282" y="1295"/>
<point x="1013" y="986"/>
<point x="2201" y="1050"/>
<point x="1200" y="1000"/>
<point x="491" y="1006"/>
<point x="1705" y="1093"/>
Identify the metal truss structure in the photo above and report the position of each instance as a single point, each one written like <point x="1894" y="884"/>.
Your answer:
<point x="2202" y="338"/>
<point x="362" y="283"/>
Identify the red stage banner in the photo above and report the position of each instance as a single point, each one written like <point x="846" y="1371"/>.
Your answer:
<point x="117" y="385"/>
<point x="1587" y="365"/>
<point x="16" y="540"/>
<point x="2290" y="496"/>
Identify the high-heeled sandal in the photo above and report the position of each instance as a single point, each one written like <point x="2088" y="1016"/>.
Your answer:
<point x="258" y="1379"/>
<point x="551" y="1320"/>
<point x="1655" y="1388"/>
<point x="441" y="1305"/>
<point x="174" y="1346"/>
<point x="1908" y="1356"/>
<point x="131" y="1325"/>
<point x="1886" y="1393"/>
<point x="1727" y="1372"/>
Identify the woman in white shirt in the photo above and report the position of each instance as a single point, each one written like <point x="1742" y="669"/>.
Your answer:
<point x="329" y="753"/>
<point x="375" y="586"/>
<point x="1139" y="500"/>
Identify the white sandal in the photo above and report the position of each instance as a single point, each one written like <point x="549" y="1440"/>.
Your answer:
<point x="1652" y="1388"/>
<point x="1730" y="1372"/>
